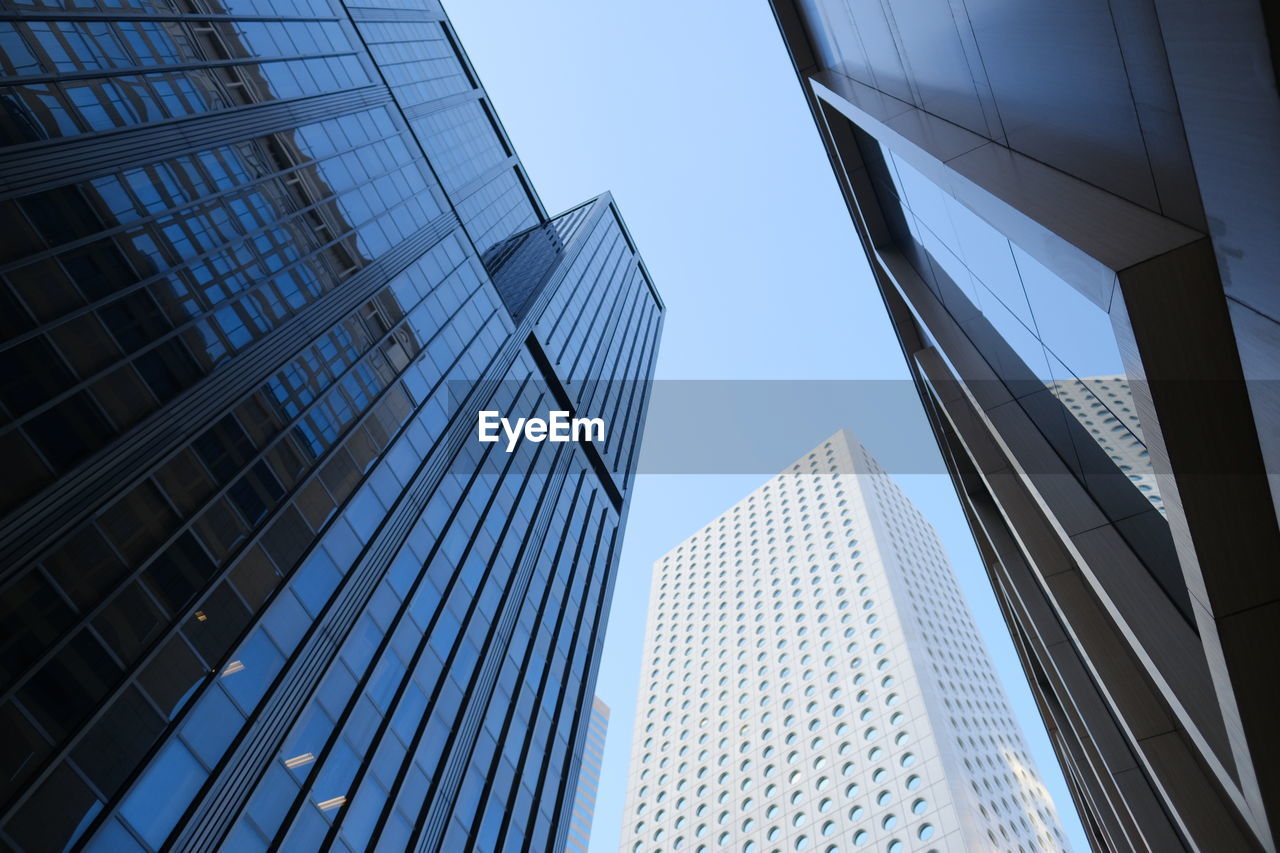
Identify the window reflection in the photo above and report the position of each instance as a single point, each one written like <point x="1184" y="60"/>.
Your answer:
<point x="1055" y="331"/>
<point x="1104" y="406"/>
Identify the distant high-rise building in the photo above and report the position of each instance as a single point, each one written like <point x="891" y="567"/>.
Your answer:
<point x="813" y="679"/>
<point x="1104" y="406"/>
<point x="584" y="801"/>
<point x="261" y="585"/>
<point x="1049" y="192"/>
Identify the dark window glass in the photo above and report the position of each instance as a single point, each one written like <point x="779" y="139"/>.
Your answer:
<point x="340" y="474"/>
<point x="14" y="319"/>
<point x="168" y="369"/>
<point x="57" y="812"/>
<point x="135" y="320"/>
<point x="138" y="522"/>
<point x="259" y="419"/>
<point x="218" y="621"/>
<point x="315" y="503"/>
<point x="255" y="493"/>
<point x="20" y="240"/>
<point x="184" y="481"/>
<point x="45" y="289"/>
<point x="85" y="567"/>
<point x="61" y="215"/>
<point x="69" y="431"/>
<point x="114" y="745"/>
<point x="254" y="577"/>
<point x="362" y="448"/>
<point x="224" y="448"/>
<point x="20" y="749"/>
<point x="85" y="344"/>
<point x="66" y="688"/>
<point x="176" y="575"/>
<point x="31" y="373"/>
<point x="32" y="616"/>
<point x="25" y="471"/>
<point x="98" y="269"/>
<point x="221" y="529"/>
<point x="286" y="462"/>
<point x="123" y="397"/>
<point x="130" y="622"/>
<point x="171" y="676"/>
<point x="286" y="538"/>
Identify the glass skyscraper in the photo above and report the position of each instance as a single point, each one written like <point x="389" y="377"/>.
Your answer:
<point x="261" y="585"/>
<point x="813" y="680"/>
<point x="1070" y="211"/>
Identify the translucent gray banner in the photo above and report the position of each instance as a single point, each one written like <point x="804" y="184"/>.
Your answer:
<point x="762" y="426"/>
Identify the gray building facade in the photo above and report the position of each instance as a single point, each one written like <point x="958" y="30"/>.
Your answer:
<point x="584" y="799"/>
<point x="261" y="585"/>
<point x="1049" y="194"/>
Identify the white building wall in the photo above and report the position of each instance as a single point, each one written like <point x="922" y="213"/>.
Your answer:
<point x="1104" y="406"/>
<point x="813" y="680"/>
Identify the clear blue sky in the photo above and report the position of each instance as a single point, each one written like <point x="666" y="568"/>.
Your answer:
<point x="690" y="114"/>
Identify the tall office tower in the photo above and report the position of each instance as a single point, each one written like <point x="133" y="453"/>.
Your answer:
<point x="262" y="585"/>
<point x="1104" y="406"/>
<point x="813" y="680"/>
<point x="1054" y="191"/>
<point x="584" y="801"/>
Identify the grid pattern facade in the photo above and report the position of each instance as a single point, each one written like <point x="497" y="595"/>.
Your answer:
<point x="813" y="680"/>
<point x="584" y="801"/>
<point x="261" y="586"/>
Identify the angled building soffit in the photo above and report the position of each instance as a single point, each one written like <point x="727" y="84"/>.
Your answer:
<point x="1084" y="234"/>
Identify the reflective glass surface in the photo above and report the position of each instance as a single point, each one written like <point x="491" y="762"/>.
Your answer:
<point x="1060" y="336"/>
<point x="1052" y="348"/>
<point x="256" y="573"/>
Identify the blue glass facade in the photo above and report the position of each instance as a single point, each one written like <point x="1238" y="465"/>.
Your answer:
<point x="262" y="586"/>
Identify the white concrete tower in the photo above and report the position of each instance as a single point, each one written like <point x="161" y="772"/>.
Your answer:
<point x="1104" y="406"/>
<point x="813" y="680"/>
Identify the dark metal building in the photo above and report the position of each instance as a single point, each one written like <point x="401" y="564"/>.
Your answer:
<point x="1071" y="213"/>
<point x="261" y="585"/>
